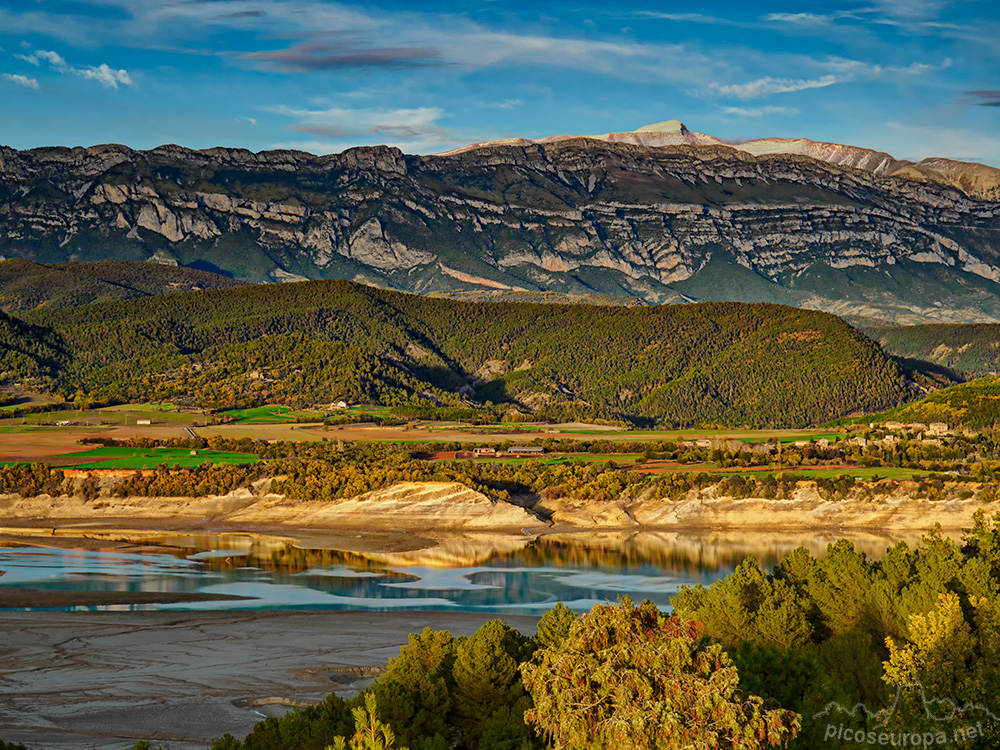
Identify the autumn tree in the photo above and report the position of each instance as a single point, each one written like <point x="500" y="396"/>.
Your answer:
<point x="629" y="677"/>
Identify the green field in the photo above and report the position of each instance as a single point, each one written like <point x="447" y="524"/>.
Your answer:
<point x="269" y="415"/>
<point x="124" y="415"/>
<point x="150" y="458"/>
<point x="147" y="407"/>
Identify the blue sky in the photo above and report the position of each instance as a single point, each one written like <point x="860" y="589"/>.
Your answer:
<point x="915" y="78"/>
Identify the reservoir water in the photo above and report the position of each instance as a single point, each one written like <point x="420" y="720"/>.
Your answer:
<point x="473" y="573"/>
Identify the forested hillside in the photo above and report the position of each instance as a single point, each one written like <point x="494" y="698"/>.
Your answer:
<point x="30" y="351"/>
<point x="972" y="349"/>
<point x="25" y="285"/>
<point x="315" y="342"/>
<point x="973" y="404"/>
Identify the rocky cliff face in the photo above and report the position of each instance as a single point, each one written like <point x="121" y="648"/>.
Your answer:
<point x="660" y="223"/>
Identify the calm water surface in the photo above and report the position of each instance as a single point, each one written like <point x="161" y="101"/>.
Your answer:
<point x="470" y="573"/>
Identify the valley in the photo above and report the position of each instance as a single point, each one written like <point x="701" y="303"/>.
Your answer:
<point x="195" y="460"/>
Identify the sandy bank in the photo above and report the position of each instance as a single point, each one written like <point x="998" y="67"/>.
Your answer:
<point x="432" y="506"/>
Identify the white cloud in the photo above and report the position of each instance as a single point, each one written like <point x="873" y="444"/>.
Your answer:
<point x="505" y="104"/>
<point x="767" y="86"/>
<point x="30" y="83"/>
<point x="103" y="73"/>
<point x="800" y="19"/>
<point x="759" y="111"/>
<point x="52" y="58"/>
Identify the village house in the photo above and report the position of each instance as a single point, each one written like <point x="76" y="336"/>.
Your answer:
<point x="525" y="450"/>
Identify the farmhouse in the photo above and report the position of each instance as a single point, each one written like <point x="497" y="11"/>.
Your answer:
<point x="485" y="452"/>
<point x="525" y="450"/>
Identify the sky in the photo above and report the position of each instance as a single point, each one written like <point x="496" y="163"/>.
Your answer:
<point x="915" y="78"/>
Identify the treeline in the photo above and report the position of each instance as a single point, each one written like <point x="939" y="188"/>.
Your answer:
<point x="973" y="404"/>
<point x="721" y="363"/>
<point x="332" y="470"/>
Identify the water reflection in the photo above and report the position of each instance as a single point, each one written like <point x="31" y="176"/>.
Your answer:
<point x="470" y="572"/>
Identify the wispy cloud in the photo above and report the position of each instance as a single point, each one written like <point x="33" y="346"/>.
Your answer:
<point x="103" y="73"/>
<point x="803" y="19"/>
<point x="687" y="18"/>
<point x="337" y="55"/>
<point x="759" y="111"/>
<point x="39" y="56"/>
<point x="333" y="129"/>
<point x="839" y="70"/>
<point x="505" y="104"/>
<point x="330" y="36"/>
<point x="767" y="86"/>
<point x="915" y="10"/>
<point x="920" y="18"/>
<point x="986" y="98"/>
<point x="19" y="80"/>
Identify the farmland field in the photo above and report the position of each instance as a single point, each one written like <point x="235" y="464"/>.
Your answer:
<point x="150" y="458"/>
<point x="269" y="415"/>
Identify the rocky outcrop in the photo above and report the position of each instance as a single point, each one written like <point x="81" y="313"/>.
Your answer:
<point x="829" y="228"/>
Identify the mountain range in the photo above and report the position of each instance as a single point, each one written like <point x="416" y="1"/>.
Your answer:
<point x="657" y="215"/>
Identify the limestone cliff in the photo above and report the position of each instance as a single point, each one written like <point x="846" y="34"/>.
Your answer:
<point x="689" y="221"/>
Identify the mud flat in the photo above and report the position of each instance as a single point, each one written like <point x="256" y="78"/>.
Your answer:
<point x="105" y="680"/>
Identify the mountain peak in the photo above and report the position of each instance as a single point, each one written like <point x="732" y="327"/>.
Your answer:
<point x="667" y="126"/>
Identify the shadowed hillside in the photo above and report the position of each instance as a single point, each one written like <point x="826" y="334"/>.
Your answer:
<point x="25" y="285"/>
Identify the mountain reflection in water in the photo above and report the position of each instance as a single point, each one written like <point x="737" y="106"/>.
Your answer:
<point x="466" y="572"/>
